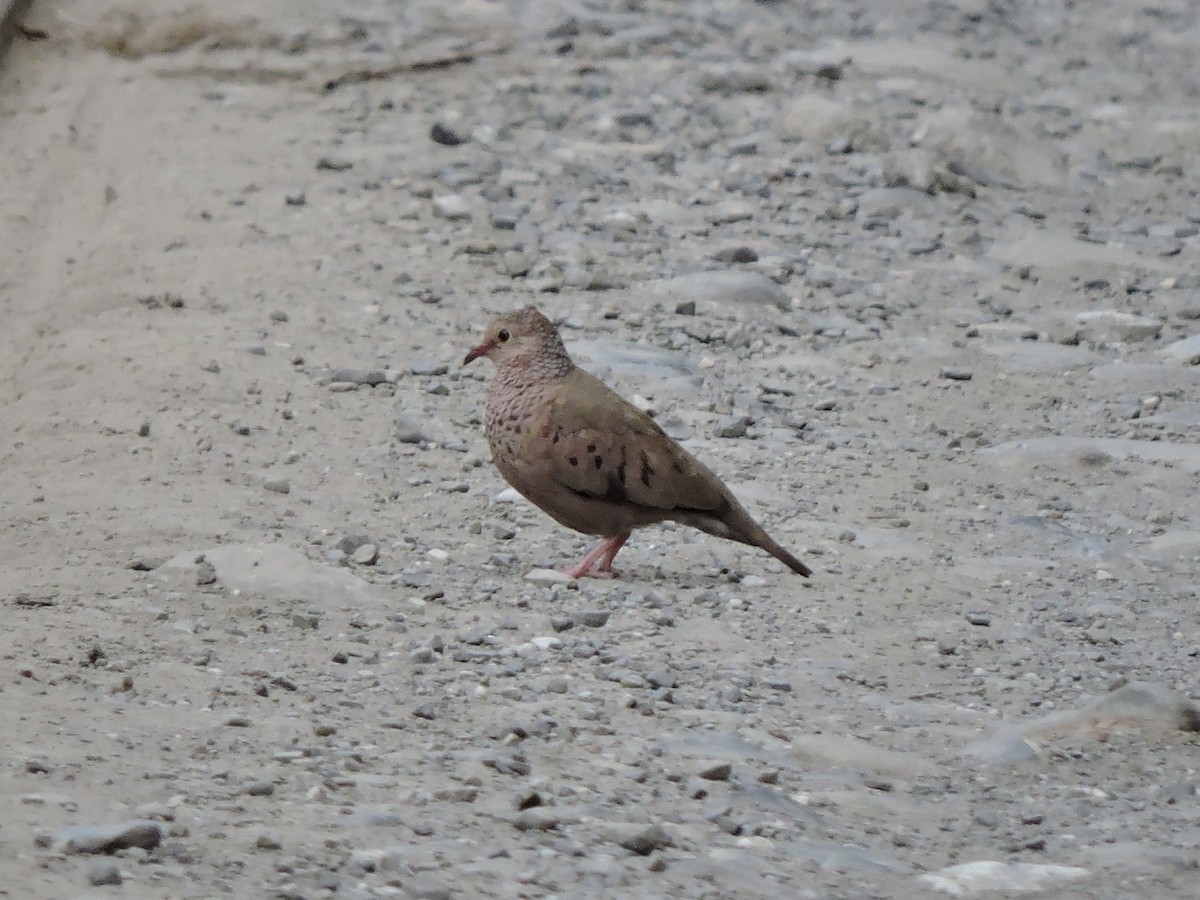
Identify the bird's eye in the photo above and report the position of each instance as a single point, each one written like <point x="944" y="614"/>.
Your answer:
<point x="503" y="335"/>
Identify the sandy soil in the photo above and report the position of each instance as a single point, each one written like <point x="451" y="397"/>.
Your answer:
<point x="922" y="284"/>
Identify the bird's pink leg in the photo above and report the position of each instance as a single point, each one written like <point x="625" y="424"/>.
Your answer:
<point x="604" y="552"/>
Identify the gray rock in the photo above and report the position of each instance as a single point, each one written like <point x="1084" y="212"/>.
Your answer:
<point x="451" y="207"/>
<point x="261" y="788"/>
<point x="106" y="838"/>
<point x="1186" y="351"/>
<point x="349" y="543"/>
<point x="729" y="256"/>
<point x="891" y="202"/>
<point x="592" y="618"/>
<point x="369" y="377"/>
<point x="427" y="711"/>
<point x="366" y="555"/>
<point x="722" y="286"/>
<point x="1113" y="326"/>
<point x="407" y="430"/>
<point x="273" y="571"/>
<point x="605" y="357"/>
<point x="729" y="80"/>
<point x="645" y="841"/>
<point x="506" y="217"/>
<point x="990" y="150"/>
<point x="733" y="427"/>
<point x="719" y="771"/>
<point x="956" y="374"/>
<point x="548" y="576"/>
<point x="428" y="367"/>
<point x="105" y="873"/>
<point x="267" y="840"/>
<point x="924" y="171"/>
<point x="820" y="120"/>
<point x="986" y="876"/>
<point x="1146" y="702"/>
<point x="447" y="134"/>
<point x="206" y="573"/>
<point x="1089" y="453"/>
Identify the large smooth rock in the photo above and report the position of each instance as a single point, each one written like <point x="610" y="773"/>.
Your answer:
<point x="272" y="571"/>
<point x="988" y="877"/>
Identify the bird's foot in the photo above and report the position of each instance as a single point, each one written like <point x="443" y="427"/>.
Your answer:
<point x="580" y="572"/>
<point x="598" y="562"/>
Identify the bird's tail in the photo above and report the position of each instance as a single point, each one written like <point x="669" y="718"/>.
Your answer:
<point x="737" y="525"/>
<point x="773" y="547"/>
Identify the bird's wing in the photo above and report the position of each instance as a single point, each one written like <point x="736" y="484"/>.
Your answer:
<point x="598" y="446"/>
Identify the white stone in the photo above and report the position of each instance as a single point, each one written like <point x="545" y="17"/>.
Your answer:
<point x="548" y="576"/>
<point x="975" y="878"/>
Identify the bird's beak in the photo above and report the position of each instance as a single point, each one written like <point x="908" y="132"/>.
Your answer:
<point x="482" y="350"/>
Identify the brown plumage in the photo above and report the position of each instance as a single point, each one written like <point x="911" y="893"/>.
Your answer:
<point x="591" y="460"/>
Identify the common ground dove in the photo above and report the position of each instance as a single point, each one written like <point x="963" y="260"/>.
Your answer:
<point x="590" y="459"/>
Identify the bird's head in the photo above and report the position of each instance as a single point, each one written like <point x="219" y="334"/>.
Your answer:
<point x="522" y="338"/>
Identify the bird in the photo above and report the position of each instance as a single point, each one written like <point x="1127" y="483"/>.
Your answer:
<point x="590" y="459"/>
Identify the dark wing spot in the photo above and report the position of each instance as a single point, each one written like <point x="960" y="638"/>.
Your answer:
<point x="598" y="461"/>
<point x="613" y="492"/>
<point x="621" y="471"/>
<point x="574" y="460"/>
<point x="647" y="469"/>
<point x="516" y="429"/>
<point x="677" y="466"/>
<point x="554" y="440"/>
<point x="591" y="448"/>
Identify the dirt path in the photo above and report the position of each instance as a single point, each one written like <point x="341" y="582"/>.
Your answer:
<point x="921" y="287"/>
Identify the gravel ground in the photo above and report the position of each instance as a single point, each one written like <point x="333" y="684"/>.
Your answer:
<point x="920" y="280"/>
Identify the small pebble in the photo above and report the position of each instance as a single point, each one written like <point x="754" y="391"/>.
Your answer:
<point x="407" y="431"/>
<point x="370" y="377"/>
<point x="451" y="207"/>
<point x="593" y="618"/>
<point x="105" y="838"/>
<point x="366" y="555"/>
<point x="426" y="711"/>
<point x="447" y="135"/>
<point x="548" y="576"/>
<point x="734" y="427"/>
<point x="428" y="367"/>
<point x="267" y="841"/>
<point x="105" y="873"/>
<point x="957" y="374"/>
<point x="717" y="771"/>
<point x="646" y="841"/>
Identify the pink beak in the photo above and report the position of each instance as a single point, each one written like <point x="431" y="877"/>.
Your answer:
<point x="482" y="350"/>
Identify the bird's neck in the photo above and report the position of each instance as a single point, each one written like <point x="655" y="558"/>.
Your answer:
<point x="522" y="373"/>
